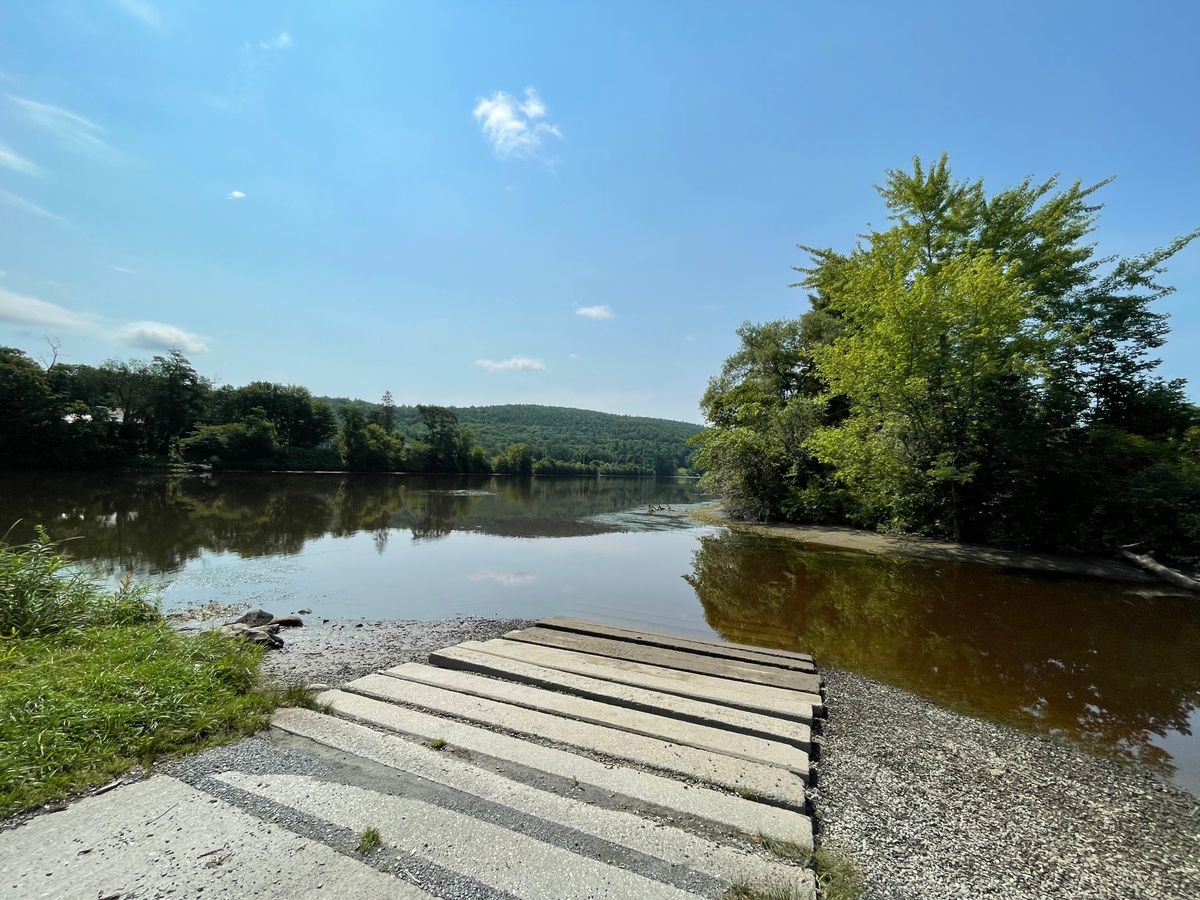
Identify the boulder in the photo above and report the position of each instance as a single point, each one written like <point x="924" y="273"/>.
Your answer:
<point x="288" y="621"/>
<point x="304" y="612"/>
<point x="254" y="617"/>
<point x="259" y="635"/>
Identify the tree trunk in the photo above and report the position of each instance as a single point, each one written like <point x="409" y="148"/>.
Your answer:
<point x="1166" y="574"/>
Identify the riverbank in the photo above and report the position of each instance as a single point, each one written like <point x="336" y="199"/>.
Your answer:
<point x="936" y="805"/>
<point x="930" y="803"/>
<point x="911" y="545"/>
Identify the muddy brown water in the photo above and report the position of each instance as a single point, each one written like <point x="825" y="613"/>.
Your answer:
<point x="1085" y="659"/>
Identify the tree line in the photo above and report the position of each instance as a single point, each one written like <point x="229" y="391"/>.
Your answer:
<point x="138" y="413"/>
<point x="974" y="371"/>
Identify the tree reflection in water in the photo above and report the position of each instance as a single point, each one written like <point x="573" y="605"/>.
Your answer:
<point x="1079" y="657"/>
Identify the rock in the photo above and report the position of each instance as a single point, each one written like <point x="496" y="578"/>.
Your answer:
<point x="260" y="635"/>
<point x="304" y="612"/>
<point x="359" y="625"/>
<point x="269" y="628"/>
<point x="318" y="686"/>
<point x="254" y="617"/>
<point x="288" y="621"/>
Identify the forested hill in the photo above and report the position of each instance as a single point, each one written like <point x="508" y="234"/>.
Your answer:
<point x="558" y="432"/>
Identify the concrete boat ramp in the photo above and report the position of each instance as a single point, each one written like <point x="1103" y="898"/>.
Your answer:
<point x="568" y="760"/>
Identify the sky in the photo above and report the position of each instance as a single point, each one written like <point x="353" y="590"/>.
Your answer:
<point x="562" y="203"/>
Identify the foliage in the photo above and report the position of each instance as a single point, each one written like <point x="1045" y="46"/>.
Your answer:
<point x="137" y="412"/>
<point x="41" y="594"/>
<point x="517" y="459"/>
<point x="92" y="682"/>
<point x="369" y="840"/>
<point x="972" y="371"/>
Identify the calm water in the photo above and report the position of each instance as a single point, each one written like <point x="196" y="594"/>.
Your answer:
<point x="1086" y="659"/>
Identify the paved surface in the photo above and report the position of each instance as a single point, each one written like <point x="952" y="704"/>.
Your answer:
<point x="572" y="761"/>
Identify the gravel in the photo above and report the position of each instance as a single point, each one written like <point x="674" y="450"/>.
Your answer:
<point x="934" y="804"/>
<point x="338" y="650"/>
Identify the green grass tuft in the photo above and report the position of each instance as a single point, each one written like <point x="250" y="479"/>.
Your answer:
<point x="786" y="850"/>
<point x="838" y="878"/>
<point x="369" y="840"/>
<point x="93" y="683"/>
<point x="437" y="744"/>
<point x="748" y="794"/>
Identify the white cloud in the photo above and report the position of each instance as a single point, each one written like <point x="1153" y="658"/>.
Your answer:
<point x="513" y="364"/>
<point x="508" y="579"/>
<point x="601" y="311"/>
<point x="690" y="338"/>
<point x="20" y="309"/>
<point x="236" y="195"/>
<point x="13" y="160"/>
<point x="70" y="128"/>
<point x="142" y="11"/>
<point x="125" y="270"/>
<point x="28" y="206"/>
<point x="572" y="356"/>
<point x="280" y="42"/>
<point x="514" y="127"/>
<point x="160" y="336"/>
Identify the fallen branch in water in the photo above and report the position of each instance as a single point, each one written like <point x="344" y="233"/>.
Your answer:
<point x="1164" y="572"/>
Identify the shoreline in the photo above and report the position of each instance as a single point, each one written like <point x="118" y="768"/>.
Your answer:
<point x="913" y="546"/>
<point x="930" y="803"/>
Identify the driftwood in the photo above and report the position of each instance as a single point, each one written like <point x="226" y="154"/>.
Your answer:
<point x="1165" y="573"/>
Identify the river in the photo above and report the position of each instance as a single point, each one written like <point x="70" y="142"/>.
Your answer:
<point x="1085" y="659"/>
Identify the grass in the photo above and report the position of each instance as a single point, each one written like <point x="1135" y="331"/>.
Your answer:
<point x="93" y="683"/>
<point x="748" y="794"/>
<point x="436" y="744"/>
<point x="786" y="850"/>
<point x="369" y="840"/>
<point x="838" y="877"/>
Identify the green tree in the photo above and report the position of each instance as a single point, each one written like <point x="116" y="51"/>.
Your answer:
<point x="973" y="370"/>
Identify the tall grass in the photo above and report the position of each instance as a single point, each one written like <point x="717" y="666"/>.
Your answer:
<point x="93" y="682"/>
<point x="42" y="593"/>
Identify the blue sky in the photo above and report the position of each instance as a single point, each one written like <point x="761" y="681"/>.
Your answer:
<point x="560" y="203"/>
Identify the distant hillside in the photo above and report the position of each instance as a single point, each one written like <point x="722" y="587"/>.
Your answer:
<point x="558" y="432"/>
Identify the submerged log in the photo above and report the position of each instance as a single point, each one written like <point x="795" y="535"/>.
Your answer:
<point x="1164" y="572"/>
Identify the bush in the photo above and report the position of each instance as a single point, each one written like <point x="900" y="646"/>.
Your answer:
<point x="42" y="594"/>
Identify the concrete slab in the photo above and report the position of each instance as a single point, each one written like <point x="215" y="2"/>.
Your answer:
<point x="773" y="785"/>
<point x="671" y="659"/>
<point x="745" y="816"/>
<point x="652" y="725"/>
<point x="160" y="837"/>
<point x="644" y="835"/>
<point x="471" y="656"/>
<point x="743" y="653"/>
<point x="491" y="854"/>
<point x="784" y="704"/>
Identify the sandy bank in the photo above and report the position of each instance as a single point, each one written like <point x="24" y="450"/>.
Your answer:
<point x="930" y="548"/>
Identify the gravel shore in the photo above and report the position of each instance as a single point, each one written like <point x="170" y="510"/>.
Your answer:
<point x="933" y="804"/>
<point x="335" y="651"/>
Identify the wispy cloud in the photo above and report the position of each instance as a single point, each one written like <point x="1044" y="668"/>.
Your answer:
<point x="508" y="579"/>
<point x="515" y="127"/>
<point x="73" y="130"/>
<point x="160" y="336"/>
<point x="9" y="158"/>
<point x="513" y="364"/>
<point x="125" y="270"/>
<point x="21" y="309"/>
<point x="281" y="41"/>
<point x="143" y="11"/>
<point x="689" y="338"/>
<point x="12" y="200"/>
<point x="236" y="195"/>
<point x="31" y="312"/>
<point x="601" y="311"/>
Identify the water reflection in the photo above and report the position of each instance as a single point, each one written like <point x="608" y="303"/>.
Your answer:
<point x="154" y="524"/>
<point x="1080" y="657"/>
<point x="1083" y="658"/>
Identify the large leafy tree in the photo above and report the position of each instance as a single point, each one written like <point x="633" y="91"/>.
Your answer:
<point x="972" y="370"/>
